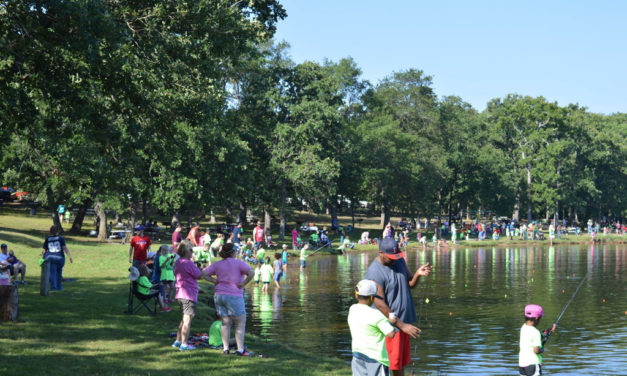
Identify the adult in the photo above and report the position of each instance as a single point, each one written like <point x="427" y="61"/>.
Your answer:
<point x="237" y="234"/>
<point x="177" y="238"/>
<point x="388" y="231"/>
<point x="5" y="266"/>
<point x="294" y="238"/>
<point x="5" y="273"/>
<point x="194" y="235"/>
<point x="140" y="246"/>
<point x="231" y="275"/>
<point x="17" y="267"/>
<point x="54" y="252"/>
<point x="394" y="281"/>
<point x="258" y="236"/>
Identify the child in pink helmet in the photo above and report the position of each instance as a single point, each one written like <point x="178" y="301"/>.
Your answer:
<point x="531" y="342"/>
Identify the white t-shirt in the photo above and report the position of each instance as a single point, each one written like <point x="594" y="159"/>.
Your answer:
<point x="368" y="328"/>
<point x="530" y="337"/>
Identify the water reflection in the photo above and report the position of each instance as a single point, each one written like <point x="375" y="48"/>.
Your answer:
<point x="473" y="315"/>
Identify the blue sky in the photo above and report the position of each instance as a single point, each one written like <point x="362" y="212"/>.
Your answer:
<point x="569" y="51"/>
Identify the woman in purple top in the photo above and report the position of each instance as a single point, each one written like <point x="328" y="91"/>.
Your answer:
<point x="231" y="275"/>
<point x="187" y="275"/>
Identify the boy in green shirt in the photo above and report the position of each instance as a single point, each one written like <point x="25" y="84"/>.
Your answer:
<point x="368" y="327"/>
<point x="215" y="334"/>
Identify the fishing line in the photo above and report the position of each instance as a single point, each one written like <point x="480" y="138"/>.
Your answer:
<point x="422" y="299"/>
<point x="549" y="332"/>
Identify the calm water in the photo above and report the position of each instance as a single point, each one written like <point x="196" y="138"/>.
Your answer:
<point x="472" y="319"/>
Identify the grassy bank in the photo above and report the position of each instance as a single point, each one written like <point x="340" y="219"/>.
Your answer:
<point x="84" y="329"/>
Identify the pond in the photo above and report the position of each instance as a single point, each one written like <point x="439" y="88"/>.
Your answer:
<point x="470" y="308"/>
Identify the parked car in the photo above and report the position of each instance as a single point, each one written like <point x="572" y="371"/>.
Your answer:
<point x="6" y="193"/>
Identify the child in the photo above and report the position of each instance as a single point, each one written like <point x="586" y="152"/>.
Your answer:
<point x="215" y="334"/>
<point x="303" y="256"/>
<point x="531" y="342"/>
<point x="187" y="275"/>
<point x="266" y="274"/>
<point x="261" y="255"/>
<point x="145" y="287"/>
<point x="278" y="269"/>
<point x="368" y="327"/>
<point x="284" y="257"/>
<point x="257" y="273"/>
<point x="18" y="267"/>
<point x="166" y="264"/>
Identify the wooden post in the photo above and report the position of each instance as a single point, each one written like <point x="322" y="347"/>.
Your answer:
<point x="44" y="284"/>
<point x="8" y="303"/>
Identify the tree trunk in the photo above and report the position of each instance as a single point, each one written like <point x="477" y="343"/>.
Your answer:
<point x="176" y="218"/>
<point x="77" y="225"/>
<point x="9" y="302"/>
<point x="282" y="214"/>
<point x="241" y="216"/>
<point x="212" y="217"/>
<point x="133" y="215"/>
<point x="353" y="213"/>
<point x="267" y="221"/>
<point x="53" y="205"/>
<point x="229" y="215"/>
<point x="382" y="222"/>
<point x="102" y="216"/>
<point x="144" y="209"/>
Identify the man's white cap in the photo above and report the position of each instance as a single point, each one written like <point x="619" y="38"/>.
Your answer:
<point x="366" y="287"/>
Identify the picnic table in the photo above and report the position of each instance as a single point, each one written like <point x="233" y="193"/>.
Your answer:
<point x="121" y="233"/>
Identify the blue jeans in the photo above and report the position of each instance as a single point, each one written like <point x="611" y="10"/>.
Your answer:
<point x="56" y="261"/>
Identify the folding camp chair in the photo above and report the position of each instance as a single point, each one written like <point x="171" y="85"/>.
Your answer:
<point x="144" y="300"/>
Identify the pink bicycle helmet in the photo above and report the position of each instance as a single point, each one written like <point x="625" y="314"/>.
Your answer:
<point x="533" y="311"/>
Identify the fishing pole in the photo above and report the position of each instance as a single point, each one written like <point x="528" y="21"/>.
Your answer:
<point x="547" y="333"/>
<point x="317" y="250"/>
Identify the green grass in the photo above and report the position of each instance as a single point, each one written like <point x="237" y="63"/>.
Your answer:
<point x="84" y="329"/>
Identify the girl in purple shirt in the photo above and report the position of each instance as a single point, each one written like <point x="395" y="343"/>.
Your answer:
<point x="187" y="275"/>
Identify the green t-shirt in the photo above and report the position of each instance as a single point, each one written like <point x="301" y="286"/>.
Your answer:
<point x="143" y="285"/>
<point x="266" y="273"/>
<point x="261" y="254"/>
<point x="167" y="267"/>
<point x="257" y="274"/>
<point x="530" y="337"/>
<point x="368" y="329"/>
<point x="215" y="334"/>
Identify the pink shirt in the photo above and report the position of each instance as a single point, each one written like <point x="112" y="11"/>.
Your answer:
<point x="187" y="275"/>
<point x="229" y="272"/>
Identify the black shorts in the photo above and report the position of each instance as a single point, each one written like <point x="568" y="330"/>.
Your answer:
<point x="532" y="370"/>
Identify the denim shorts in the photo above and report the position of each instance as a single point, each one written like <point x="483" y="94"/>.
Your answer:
<point x="229" y="305"/>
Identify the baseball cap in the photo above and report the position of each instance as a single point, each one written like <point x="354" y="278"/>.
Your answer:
<point x="366" y="287"/>
<point x="4" y="245"/>
<point x="533" y="311"/>
<point x="390" y="249"/>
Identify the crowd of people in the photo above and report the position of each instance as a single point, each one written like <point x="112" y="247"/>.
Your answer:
<point x="226" y="260"/>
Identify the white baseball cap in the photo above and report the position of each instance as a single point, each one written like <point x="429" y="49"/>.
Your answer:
<point x="366" y="287"/>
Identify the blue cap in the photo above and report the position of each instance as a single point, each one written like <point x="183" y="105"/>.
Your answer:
<point x="4" y="245"/>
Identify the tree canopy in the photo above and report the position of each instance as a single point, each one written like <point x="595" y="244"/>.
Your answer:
<point x="191" y="106"/>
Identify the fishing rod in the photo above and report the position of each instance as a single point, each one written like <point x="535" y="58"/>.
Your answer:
<point x="547" y="333"/>
<point x="317" y="250"/>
